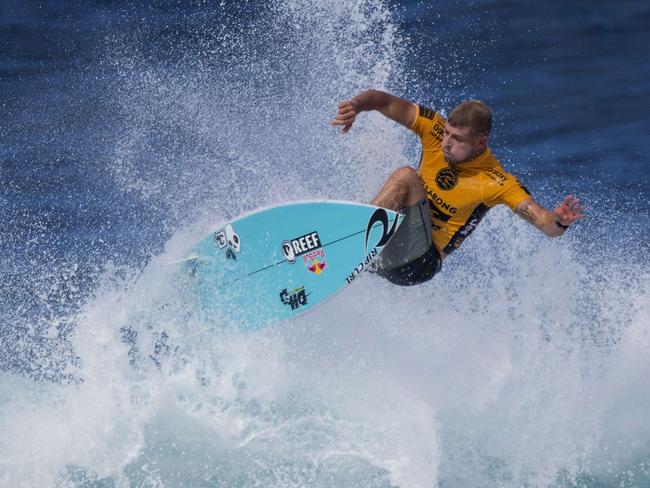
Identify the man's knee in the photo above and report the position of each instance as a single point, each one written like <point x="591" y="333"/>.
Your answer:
<point x="405" y="174"/>
<point x="403" y="188"/>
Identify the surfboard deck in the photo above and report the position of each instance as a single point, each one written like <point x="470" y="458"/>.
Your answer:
<point x="279" y="262"/>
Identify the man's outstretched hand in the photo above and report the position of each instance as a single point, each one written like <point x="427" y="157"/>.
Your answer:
<point x="569" y="211"/>
<point x="346" y="115"/>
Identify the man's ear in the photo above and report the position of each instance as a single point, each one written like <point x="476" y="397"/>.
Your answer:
<point x="482" y="141"/>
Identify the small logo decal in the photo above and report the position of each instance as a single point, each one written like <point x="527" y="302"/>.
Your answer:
<point x="300" y="245"/>
<point x="220" y="237"/>
<point x="288" y="252"/>
<point x="228" y="238"/>
<point x="315" y="261"/>
<point x="294" y="298"/>
<point x="447" y="178"/>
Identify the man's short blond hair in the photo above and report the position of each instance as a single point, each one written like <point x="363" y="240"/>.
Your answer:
<point x="474" y="114"/>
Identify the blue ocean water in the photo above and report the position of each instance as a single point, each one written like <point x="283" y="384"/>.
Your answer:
<point x="127" y="131"/>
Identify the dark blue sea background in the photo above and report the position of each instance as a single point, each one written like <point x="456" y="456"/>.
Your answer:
<point x="130" y="129"/>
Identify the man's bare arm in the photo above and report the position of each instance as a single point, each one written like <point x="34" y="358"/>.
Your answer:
<point x="554" y="223"/>
<point x="395" y="108"/>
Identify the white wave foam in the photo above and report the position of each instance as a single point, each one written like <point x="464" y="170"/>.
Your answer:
<point x="523" y="364"/>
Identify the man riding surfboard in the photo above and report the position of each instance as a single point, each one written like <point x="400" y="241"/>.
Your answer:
<point x="457" y="182"/>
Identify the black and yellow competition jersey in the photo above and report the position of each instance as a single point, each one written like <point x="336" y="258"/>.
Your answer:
<point x="459" y="195"/>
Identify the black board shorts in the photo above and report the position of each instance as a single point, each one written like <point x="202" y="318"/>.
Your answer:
<point x="417" y="271"/>
<point x="410" y="257"/>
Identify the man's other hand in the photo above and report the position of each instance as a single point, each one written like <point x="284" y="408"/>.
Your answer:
<point x="346" y="115"/>
<point x="569" y="211"/>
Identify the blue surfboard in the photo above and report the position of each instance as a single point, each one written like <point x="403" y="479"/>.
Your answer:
<point x="279" y="262"/>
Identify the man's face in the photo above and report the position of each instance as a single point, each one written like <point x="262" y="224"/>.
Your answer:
<point x="459" y="145"/>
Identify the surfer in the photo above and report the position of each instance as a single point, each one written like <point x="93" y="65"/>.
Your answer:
<point x="458" y="181"/>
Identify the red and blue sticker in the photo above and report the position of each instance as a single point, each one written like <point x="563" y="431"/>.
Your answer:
<point x="315" y="261"/>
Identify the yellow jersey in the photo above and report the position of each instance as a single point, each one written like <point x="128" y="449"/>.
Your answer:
<point x="460" y="194"/>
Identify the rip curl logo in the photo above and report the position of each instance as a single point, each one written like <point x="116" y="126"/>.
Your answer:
<point x="294" y="298"/>
<point x="380" y="216"/>
<point x="361" y="266"/>
<point x="447" y="178"/>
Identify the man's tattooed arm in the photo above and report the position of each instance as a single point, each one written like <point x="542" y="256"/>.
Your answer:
<point x="525" y="211"/>
<point x="540" y="217"/>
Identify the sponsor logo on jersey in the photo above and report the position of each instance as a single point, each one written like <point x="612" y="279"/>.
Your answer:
<point x="447" y="178"/>
<point x="294" y="298"/>
<point x="438" y="214"/>
<point x="298" y="246"/>
<point x="427" y="113"/>
<point x="437" y="205"/>
<point x="496" y="175"/>
<point x="315" y="261"/>
<point x="438" y="131"/>
<point x="467" y="228"/>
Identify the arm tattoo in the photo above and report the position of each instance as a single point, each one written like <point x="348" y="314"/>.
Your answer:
<point x="526" y="212"/>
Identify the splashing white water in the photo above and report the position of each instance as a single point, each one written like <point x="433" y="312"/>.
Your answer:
<point x="523" y="364"/>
